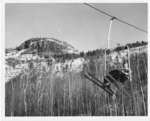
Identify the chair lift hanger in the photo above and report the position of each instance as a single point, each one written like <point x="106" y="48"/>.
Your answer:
<point x="111" y="77"/>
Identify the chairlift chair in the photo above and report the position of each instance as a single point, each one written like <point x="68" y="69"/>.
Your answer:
<point x="116" y="77"/>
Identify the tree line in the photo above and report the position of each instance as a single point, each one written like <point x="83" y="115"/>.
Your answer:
<point x="97" y="52"/>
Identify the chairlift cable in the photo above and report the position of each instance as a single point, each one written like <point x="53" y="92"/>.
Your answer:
<point x="116" y="18"/>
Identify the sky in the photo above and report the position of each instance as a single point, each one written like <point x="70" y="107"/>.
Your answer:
<point x="75" y="23"/>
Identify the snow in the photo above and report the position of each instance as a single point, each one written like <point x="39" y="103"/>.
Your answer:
<point x="70" y="65"/>
<point x="27" y="57"/>
<point x="77" y="64"/>
<point x="14" y="54"/>
<point x="13" y="72"/>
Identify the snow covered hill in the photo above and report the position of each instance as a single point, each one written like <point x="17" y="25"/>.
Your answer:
<point x="33" y="51"/>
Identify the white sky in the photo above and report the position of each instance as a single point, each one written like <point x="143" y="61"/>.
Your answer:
<point x="77" y="24"/>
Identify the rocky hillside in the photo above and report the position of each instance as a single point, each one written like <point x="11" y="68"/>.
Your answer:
<point x="46" y="46"/>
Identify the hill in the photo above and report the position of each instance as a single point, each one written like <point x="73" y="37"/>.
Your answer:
<point x="44" y="46"/>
